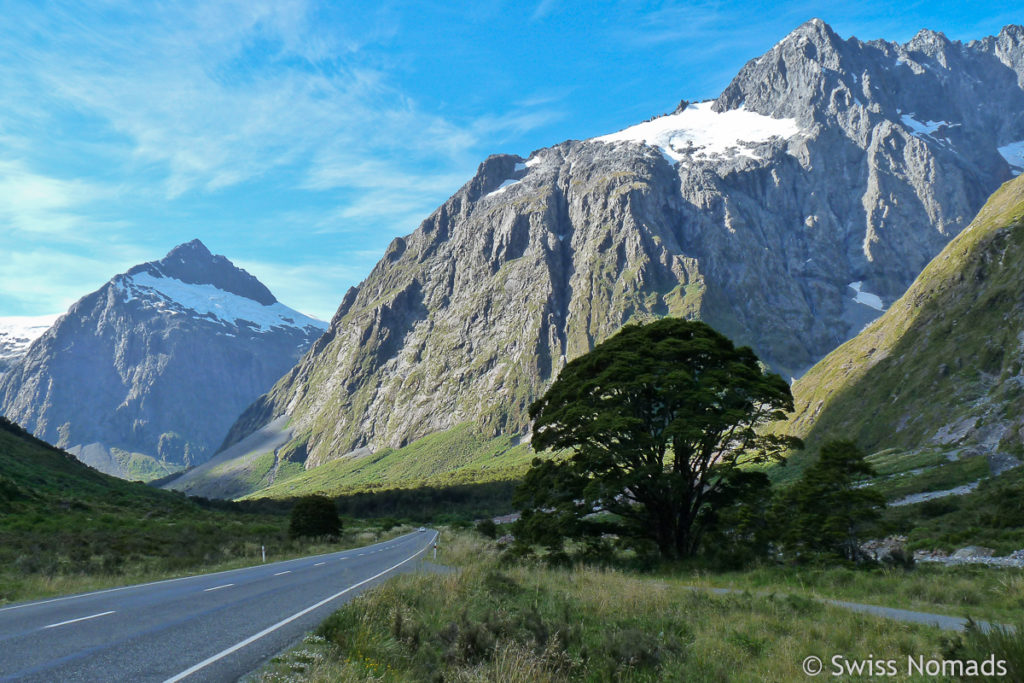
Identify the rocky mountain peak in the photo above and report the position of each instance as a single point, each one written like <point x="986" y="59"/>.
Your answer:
<point x="147" y="373"/>
<point x="927" y="38"/>
<point x="790" y="79"/>
<point x="788" y="213"/>
<point x="1008" y="47"/>
<point x="816" y="32"/>
<point x="194" y="264"/>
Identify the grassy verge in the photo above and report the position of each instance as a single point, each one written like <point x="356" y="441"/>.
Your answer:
<point x="981" y="592"/>
<point x="531" y="623"/>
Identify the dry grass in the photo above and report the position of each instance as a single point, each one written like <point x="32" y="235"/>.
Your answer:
<point x="528" y="623"/>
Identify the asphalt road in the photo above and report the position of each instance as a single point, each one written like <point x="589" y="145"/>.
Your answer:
<point x="211" y="627"/>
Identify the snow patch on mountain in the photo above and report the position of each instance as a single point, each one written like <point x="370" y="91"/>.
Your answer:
<point x="867" y="298"/>
<point x="208" y="301"/>
<point x="699" y="131"/>
<point x="501" y="188"/>
<point x="18" y="332"/>
<point x="920" y="128"/>
<point x="1014" y="155"/>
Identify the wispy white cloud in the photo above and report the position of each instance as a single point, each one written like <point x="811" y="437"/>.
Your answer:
<point x="220" y="93"/>
<point x="39" y="204"/>
<point x="169" y="105"/>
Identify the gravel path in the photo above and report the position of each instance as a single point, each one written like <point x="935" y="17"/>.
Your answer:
<point x="942" y="621"/>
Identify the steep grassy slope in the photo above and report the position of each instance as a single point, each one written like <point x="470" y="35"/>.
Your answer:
<point x="942" y="368"/>
<point x="456" y="456"/>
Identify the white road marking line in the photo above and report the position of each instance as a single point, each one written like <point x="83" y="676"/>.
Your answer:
<point x="217" y="588"/>
<point x="318" y="564"/>
<point x="361" y="554"/>
<point x="71" y="621"/>
<point x="270" y="629"/>
<point x="287" y="571"/>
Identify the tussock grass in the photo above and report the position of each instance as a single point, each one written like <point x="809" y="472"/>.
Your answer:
<point x="497" y="622"/>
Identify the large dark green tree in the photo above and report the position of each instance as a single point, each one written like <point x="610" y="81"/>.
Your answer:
<point x="656" y="418"/>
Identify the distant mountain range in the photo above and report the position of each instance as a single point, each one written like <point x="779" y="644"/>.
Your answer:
<point x="145" y="375"/>
<point x="17" y="333"/>
<point x="788" y="213"/>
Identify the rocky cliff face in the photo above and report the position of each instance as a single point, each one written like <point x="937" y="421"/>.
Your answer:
<point x="157" y="363"/>
<point x="943" y="366"/>
<point x="787" y="213"/>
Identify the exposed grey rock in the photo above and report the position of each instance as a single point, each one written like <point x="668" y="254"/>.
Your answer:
<point x="157" y="362"/>
<point x="884" y="550"/>
<point x="881" y="154"/>
<point x="1001" y="462"/>
<point x="973" y="551"/>
<point x="932" y="495"/>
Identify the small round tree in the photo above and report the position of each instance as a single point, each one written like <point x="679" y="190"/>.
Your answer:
<point x="657" y="419"/>
<point x="314" y="516"/>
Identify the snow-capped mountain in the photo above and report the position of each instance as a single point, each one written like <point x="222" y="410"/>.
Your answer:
<point x="17" y="333"/>
<point x="146" y="374"/>
<point x="787" y="213"/>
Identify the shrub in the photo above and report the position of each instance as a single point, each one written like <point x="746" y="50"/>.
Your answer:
<point x="314" y="516"/>
<point x="487" y="528"/>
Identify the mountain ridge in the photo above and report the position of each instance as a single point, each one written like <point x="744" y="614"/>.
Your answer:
<point x="790" y="242"/>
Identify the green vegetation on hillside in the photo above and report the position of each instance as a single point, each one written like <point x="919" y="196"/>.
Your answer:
<point x="456" y="456"/>
<point x="64" y="527"/>
<point x="142" y="467"/>
<point x="990" y="516"/>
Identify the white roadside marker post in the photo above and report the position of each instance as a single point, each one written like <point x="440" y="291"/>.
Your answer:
<point x="435" y="548"/>
<point x="263" y="549"/>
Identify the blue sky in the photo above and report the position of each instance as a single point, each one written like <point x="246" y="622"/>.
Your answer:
<point x="298" y="137"/>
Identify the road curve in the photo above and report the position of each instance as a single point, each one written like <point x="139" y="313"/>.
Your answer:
<point x="210" y="627"/>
